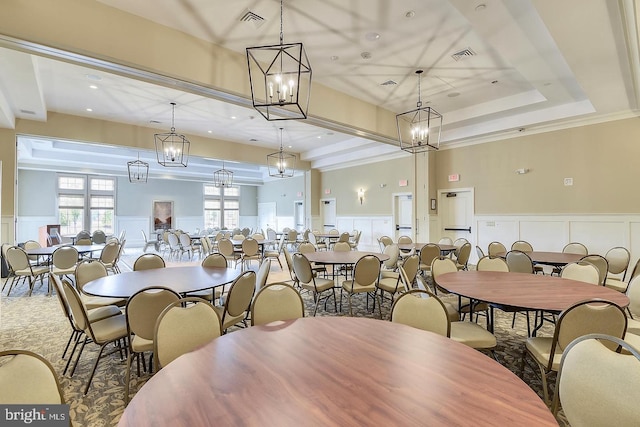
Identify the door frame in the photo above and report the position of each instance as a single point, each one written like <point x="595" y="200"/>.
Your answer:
<point x="474" y="232"/>
<point x="394" y="213"/>
<point x="295" y="211"/>
<point x="335" y="205"/>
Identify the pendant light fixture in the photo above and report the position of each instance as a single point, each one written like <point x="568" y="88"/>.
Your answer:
<point x="138" y="171"/>
<point x="281" y="164"/>
<point x="223" y="177"/>
<point x="419" y="129"/>
<point x="172" y="149"/>
<point x="280" y="79"/>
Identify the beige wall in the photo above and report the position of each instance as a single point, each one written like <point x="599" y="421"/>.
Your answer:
<point x="345" y="183"/>
<point x="8" y="158"/>
<point x="602" y="159"/>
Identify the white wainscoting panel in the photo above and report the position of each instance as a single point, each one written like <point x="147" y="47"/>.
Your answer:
<point x="372" y="228"/>
<point x="6" y="230"/>
<point x="285" y="221"/>
<point x="189" y="223"/>
<point x="133" y="225"/>
<point x="600" y="235"/>
<point x="543" y="233"/>
<point x="28" y="226"/>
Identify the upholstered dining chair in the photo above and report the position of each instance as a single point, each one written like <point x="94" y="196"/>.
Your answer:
<point x="598" y="386"/>
<point x="32" y="244"/>
<point x="462" y="257"/>
<point x="496" y="248"/>
<point x="109" y="255"/>
<point x="405" y="239"/>
<point x="276" y="301"/>
<point x="479" y="252"/>
<point x="442" y="265"/>
<point x="275" y="253"/>
<point x="237" y="301"/>
<point x="28" y="378"/>
<point x="445" y="241"/>
<point x="215" y="261"/>
<point x="582" y="318"/>
<point x="390" y="265"/>
<point x="99" y="237"/>
<point x="191" y="314"/>
<point x="366" y="275"/>
<point x="187" y="246"/>
<point x="64" y="261"/>
<point x="575" y="248"/>
<point x="423" y="310"/>
<point x="618" y="259"/>
<point x="149" y="243"/>
<point x="262" y="275"/>
<point x="524" y="246"/>
<point x="384" y="241"/>
<point x="582" y="271"/>
<point x="142" y="312"/>
<point x="304" y="277"/>
<point x="225" y="247"/>
<point x="85" y="241"/>
<point x="23" y="270"/>
<point x="428" y="253"/>
<point x="519" y="262"/>
<point x="103" y="332"/>
<point x="601" y="264"/>
<point x="87" y="271"/>
<point x="250" y="252"/>
<point x="392" y="285"/>
<point x="148" y="262"/>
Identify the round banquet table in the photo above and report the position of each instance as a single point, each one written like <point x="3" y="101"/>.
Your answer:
<point x="557" y="259"/>
<point x="181" y="279"/>
<point x="49" y="250"/>
<point x="337" y="371"/>
<point x="524" y="290"/>
<point x="340" y="257"/>
<point x="444" y="249"/>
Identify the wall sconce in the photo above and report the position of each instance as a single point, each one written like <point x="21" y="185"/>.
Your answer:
<point x="361" y="195"/>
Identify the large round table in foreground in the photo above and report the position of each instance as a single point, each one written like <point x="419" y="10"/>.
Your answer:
<point x="335" y="371"/>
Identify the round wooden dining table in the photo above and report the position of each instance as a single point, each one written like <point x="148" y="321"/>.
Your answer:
<point x="525" y="290"/>
<point x="444" y="249"/>
<point x="335" y="371"/>
<point x="49" y="250"/>
<point x="181" y="279"/>
<point x="341" y="257"/>
<point x="556" y="259"/>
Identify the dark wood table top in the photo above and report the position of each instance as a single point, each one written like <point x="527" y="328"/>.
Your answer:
<point x="330" y="235"/>
<point x="335" y="371"/>
<point x="47" y="251"/>
<point x="341" y="257"/>
<point x="419" y="246"/>
<point x="260" y="242"/>
<point x="549" y="258"/>
<point x="524" y="290"/>
<point x="180" y="279"/>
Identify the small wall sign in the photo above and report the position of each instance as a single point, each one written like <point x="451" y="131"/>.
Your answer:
<point x="454" y="178"/>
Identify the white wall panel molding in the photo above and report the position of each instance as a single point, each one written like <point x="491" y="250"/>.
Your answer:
<point x="6" y="229"/>
<point x="27" y="227"/>
<point x="133" y="225"/>
<point x="372" y="227"/>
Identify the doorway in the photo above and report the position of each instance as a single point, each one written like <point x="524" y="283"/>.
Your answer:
<point x="403" y="215"/>
<point x="267" y="216"/>
<point x="298" y="214"/>
<point x="328" y="209"/>
<point x="456" y="213"/>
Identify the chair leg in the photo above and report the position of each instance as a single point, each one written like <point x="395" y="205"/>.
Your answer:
<point x="350" y="307"/>
<point x="127" y="378"/>
<point x="95" y="365"/>
<point x="75" y="364"/>
<point x="316" y="298"/>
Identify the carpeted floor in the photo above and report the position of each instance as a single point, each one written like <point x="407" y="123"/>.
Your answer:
<point x="37" y="323"/>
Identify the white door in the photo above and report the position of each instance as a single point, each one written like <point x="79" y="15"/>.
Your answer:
<point x="456" y="214"/>
<point x="328" y="209"/>
<point x="267" y="216"/>
<point x="403" y="212"/>
<point x="298" y="214"/>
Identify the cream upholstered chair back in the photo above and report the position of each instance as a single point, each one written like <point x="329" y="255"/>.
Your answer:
<point x="479" y="252"/>
<point x="17" y="258"/>
<point x="28" y="378"/>
<point x="618" y="260"/>
<point x="271" y="234"/>
<point x="84" y="234"/>
<point x="99" y="237"/>
<point x="225" y="247"/>
<point x="496" y="248"/>
<point x="366" y="270"/>
<point x="522" y="246"/>
<point x="445" y="241"/>
<point x="277" y="301"/>
<point x="250" y="247"/>
<point x="289" y="260"/>
<point x="185" y="240"/>
<point x="65" y="257"/>
<point x="32" y="244"/>
<point x="144" y="307"/>
<point x="588" y="317"/>
<point x="519" y="262"/>
<point x="148" y="262"/>
<point x="187" y="314"/>
<point x="405" y="239"/>
<point x="384" y="241"/>
<point x="575" y="248"/>
<point x="306" y="247"/>
<point x="442" y="265"/>
<point x="263" y="274"/>
<point x="205" y="244"/>
<point x="428" y="253"/>
<point x="89" y="270"/>
<point x="174" y="241"/>
<point x="633" y="293"/>
<point x="215" y="260"/>
<point x="601" y="264"/>
<point x="421" y="309"/>
<point x="394" y="253"/>
<point x="463" y="254"/>
<point x="246" y="231"/>
<point x="582" y="271"/>
<point x="459" y="242"/>
<point x="240" y="294"/>
<point x="311" y="237"/>
<point x="78" y="311"/>
<point x="597" y="386"/>
<point x="85" y="241"/>
<point x="301" y="268"/>
<point x="488" y="263"/>
<point x="344" y="237"/>
<point x="411" y="265"/>
<point x="342" y="247"/>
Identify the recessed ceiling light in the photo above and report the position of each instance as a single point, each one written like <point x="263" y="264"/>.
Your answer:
<point x="319" y="137"/>
<point x="410" y="14"/>
<point x="372" y="37"/>
<point x="93" y="77"/>
<point x="93" y="86"/>
<point x="334" y="57"/>
<point x="481" y="7"/>
<point x="290" y="146"/>
<point x="366" y="55"/>
<point x="210" y="131"/>
<point x="89" y="109"/>
<point x="453" y="94"/>
<point x="233" y="117"/>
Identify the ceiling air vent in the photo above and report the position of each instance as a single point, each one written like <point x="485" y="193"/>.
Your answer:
<point x="463" y="54"/>
<point x="28" y="112"/>
<point x="388" y="83"/>
<point x="249" y="16"/>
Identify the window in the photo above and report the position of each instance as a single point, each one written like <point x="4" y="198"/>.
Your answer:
<point x="76" y="199"/>
<point x="221" y="206"/>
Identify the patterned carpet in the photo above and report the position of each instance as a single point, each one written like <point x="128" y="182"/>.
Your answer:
<point x="37" y="323"/>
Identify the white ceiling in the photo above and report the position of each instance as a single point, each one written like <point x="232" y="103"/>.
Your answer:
<point x="537" y="65"/>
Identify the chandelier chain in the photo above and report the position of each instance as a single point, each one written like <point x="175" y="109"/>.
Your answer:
<point x="281" y="30"/>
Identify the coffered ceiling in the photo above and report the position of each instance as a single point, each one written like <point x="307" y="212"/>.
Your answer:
<point x="493" y="68"/>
